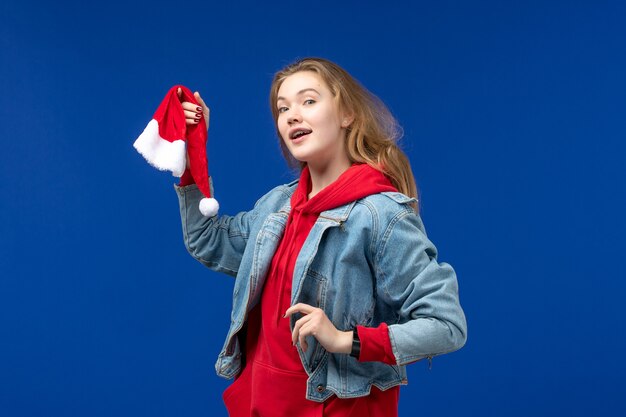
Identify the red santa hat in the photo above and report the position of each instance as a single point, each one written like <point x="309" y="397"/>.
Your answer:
<point x="167" y="140"/>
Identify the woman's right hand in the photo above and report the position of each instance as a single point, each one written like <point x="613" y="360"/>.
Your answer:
<point x="193" y="112"/>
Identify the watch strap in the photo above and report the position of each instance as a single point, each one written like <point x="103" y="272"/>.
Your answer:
<point x="356" y="345"/>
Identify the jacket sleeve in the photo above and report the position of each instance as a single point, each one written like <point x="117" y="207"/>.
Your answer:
<point x="375" y="344"/>
<point x="423" y="293"/>
<point x="217" y="242"/>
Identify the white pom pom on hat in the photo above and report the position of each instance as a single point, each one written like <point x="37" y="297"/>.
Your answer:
<point x="209" y="207"/>
<point x="167" y="140"/>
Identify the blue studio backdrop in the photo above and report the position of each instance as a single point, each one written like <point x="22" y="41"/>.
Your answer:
<point x="513" y="117"/>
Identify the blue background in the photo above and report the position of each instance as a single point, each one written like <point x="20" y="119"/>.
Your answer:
<point x="514" y="123"/>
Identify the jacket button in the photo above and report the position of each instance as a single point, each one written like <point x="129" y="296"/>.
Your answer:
<point x="320" y="388"/>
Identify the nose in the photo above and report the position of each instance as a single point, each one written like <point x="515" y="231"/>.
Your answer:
<point x="294" y="117"/>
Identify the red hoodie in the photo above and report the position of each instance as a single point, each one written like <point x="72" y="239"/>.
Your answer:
<point x="273" y="381"/>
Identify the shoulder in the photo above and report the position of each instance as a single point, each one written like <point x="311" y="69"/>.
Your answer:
<point x="391" y="217"/>
<point x="283" y="190"/>
<point x="390" y="199"/>
<point x="275" y="198"/>
<point x="388" y="205"/>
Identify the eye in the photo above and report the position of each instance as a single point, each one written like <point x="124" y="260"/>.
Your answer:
<point x="282" y="109"/>
<point x="309" y="101"/>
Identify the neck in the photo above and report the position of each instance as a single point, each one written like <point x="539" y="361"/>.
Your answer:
<point x="324" y="175"/>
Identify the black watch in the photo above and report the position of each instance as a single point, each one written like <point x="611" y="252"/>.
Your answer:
<point x="356" y="345"/>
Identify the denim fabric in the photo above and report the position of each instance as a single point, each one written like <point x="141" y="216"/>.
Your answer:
<point x="363" y="263"/>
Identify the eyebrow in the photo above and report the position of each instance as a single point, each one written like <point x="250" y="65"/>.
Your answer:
<point x="300" y="93"/>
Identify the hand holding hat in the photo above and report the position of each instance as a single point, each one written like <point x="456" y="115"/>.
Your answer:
<point x="193" y="112"/>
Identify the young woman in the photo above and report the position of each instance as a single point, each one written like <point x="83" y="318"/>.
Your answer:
<point x="337" y="286"/>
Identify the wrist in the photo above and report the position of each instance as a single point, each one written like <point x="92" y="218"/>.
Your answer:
<point x="345" y="342"/>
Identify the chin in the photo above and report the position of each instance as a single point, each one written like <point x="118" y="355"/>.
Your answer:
<point x="299" y="156"/>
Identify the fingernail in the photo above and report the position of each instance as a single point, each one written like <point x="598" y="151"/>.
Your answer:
<point x="199" y="109"/>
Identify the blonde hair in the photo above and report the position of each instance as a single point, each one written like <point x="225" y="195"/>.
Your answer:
<point x="371" y="138"/>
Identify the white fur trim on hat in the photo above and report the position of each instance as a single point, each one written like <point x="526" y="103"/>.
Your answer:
<point x="161" y="153"/>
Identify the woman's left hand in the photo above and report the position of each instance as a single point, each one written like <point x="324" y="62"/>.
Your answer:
<point x="315" y="323"/>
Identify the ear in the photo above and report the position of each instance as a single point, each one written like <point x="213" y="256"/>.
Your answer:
<point x="347" y="120"/>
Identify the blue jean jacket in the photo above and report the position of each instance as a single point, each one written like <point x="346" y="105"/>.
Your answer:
<point x="363" y="263"/>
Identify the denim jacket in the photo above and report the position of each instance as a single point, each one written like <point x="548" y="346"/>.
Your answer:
<point x="363" y="263"/>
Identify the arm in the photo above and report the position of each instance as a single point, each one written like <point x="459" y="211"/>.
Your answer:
<point x="422" y="292"/>
<point x="219" y="242"/>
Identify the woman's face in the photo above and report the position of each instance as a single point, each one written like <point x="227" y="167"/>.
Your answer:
<point x="309" y="120"/>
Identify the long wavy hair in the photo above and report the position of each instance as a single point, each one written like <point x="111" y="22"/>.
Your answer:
<point x="371" y="138"/>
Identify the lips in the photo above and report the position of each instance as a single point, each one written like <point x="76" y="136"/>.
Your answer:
<point x="298" y="133"/>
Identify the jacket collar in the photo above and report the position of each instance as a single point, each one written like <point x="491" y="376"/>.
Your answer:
<point x="338" y="214"/>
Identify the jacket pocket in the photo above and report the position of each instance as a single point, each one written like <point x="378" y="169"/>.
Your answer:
<point x="314" y="290"/>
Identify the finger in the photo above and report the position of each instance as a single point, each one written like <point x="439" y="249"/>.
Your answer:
<point x="192" y="121"/>
<point x="191" y="107"/>
<point x="300" y="307"/>
<point x="179" y="92"/>
<point x="192" y="115"/>
<point x="202" y="103"/>
<point x="304" y="332"/>
<point x="297" y="327"/>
